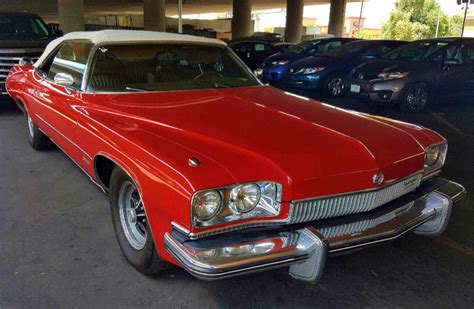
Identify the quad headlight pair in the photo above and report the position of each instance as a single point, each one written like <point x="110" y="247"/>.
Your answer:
<point x="231" y="203"/>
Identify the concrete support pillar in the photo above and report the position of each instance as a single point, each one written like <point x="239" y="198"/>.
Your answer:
<point x="294" y="20"/>
<point x="241" y="18"/>
<point x="337" y="16"/>
<point x="71" y="15"/>
<point x="154" y="18"/>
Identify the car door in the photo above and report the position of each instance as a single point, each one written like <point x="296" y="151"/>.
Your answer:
<point x="456" y="70"/>
<point x="56" y="109"/>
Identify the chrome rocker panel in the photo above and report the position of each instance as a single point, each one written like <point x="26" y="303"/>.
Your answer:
<point x="304" y="247"/>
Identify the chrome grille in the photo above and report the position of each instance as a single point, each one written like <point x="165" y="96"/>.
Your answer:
<point x="334" y="206"/>
<point x="361" y="226"/>
<point x="11" y="57"/>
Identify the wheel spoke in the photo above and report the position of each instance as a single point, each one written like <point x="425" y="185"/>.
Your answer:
<point x="132" y="215"/>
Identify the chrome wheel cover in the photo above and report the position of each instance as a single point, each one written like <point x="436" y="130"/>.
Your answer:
<point x="335" y="86"/>
<point x="132" y="215"/>
<point x="417" y="98"/>
<point x="31" y="127"/>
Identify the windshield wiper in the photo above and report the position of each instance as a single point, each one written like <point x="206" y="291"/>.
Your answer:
<point x="136" y="89"/>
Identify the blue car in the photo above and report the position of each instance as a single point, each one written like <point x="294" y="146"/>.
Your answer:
<point x="275" y="66"/>
<point x="327" y="71"/>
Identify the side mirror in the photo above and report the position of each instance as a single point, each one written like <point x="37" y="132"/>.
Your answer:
<point x="63" y="79"/>
<point x="25" y="61"/>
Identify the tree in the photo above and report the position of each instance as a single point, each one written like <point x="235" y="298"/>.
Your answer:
<point x="417" y="19"/>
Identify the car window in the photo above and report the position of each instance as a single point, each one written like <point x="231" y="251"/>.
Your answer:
<point x="468" y="54"/>
<point x="349" y="49"/>
<point x="415" y="51"/>
<point x="19" y="26"/>
<point x="160" y="67"/>
<point x="260" y="47"/>
<point x="243" y="48"/>
<point x="375" y="51"/>
<point x="71" y="59"/>
<point x="303" y="46"/>
<point x="322" y="48"/>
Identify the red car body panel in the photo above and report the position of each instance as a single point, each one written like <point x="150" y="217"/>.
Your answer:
<point x="238" y="135"/>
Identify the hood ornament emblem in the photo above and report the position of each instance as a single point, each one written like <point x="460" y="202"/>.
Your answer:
<point x="378" y="178"/>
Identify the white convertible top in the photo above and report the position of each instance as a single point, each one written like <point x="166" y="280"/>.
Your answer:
<point x="118" y="36"/>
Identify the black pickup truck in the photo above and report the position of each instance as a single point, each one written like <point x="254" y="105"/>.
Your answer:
<point x="22" y="36"/>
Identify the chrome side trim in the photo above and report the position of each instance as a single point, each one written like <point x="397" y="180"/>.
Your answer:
<point x="63" y="136"/>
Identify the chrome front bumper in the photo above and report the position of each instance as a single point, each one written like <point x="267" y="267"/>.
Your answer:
<point x="304" y="247"/>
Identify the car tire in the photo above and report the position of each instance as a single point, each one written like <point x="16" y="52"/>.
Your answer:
<point x="132" y="233"/>
<point x="333" y="85"/>
<point x="37" y="139"/>
<point x="415" y="98"/>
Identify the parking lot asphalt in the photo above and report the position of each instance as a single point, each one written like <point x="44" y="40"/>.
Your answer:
<point x="58" y="249"/>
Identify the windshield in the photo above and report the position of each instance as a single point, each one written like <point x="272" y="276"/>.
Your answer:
<point x="415" y="51"/>
<point x="349" y="49"/>
<point x="301" y="47"/>
<point x="14" y="26"/>
<point x="156" y="67"/>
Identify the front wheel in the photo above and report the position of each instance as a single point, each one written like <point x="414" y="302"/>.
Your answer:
<point x="37" y="139"/>
<point x="333" y="85"/>
<point x="416" y="98"/>
<point x="131" y="225"/>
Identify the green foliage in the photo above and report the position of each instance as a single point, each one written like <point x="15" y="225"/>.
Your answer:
<point x="417" y="19"/>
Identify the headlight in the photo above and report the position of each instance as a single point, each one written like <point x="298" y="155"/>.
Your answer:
<point x="432" y="155"/>
<point x="206" y="204"/>
<point x="281" y="62"/>
<point x="237" y="202"/>
<point x="258" y="72"/>
<point x="244" y="198"/>
<point x="313" y="70"/>
<point x="435" y="155"/>
<point x="392" y="75"/>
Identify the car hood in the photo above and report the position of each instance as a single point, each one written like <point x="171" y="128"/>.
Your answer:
<point x="315" y="61"/>
<point x="284" y="56"/>
<point x="261" y="133"/>
<point x="374" y="67"/>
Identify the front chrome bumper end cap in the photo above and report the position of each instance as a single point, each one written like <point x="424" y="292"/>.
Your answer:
<point x="305" y="248"/>
<point x="232" y="258"/>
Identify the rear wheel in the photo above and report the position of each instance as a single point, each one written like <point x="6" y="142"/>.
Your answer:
<point x="37" y="139"/>
<point x="131" y="225"/>
<point x="333" y="85"/>
<point x="416" y="98"/>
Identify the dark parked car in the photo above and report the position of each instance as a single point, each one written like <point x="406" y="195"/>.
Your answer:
<point x="326" y="72"/>
<point x="416" y="74"/>
<point x="253" y="52"/>
<point x="284" y="45"/>
<point x="22" y="36"/>
<point x="274" y="67"/>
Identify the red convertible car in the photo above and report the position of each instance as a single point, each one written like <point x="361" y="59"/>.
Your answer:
<point x="210" y="170"/>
